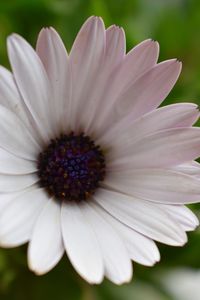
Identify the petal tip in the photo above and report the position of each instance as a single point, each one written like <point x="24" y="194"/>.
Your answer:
<point x="179" y="63"/>
<point x="34" y="268"/>
<point x="93" y="281"/>
<point x="14" y="36"/>
<point x="123" y="281"/>
<point x="37" y="273"/>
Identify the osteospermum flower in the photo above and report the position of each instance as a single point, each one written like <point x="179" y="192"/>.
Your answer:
<point x="88" y="164"/>
<point x="181" y="283"/>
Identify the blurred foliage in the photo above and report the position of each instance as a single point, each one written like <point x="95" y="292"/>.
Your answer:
<point x="176" y="25"/>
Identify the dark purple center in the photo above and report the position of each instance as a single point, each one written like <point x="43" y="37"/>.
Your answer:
<point x="71" y="167"/>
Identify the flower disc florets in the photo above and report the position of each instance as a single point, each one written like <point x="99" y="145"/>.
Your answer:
<point x="71" y="167"/>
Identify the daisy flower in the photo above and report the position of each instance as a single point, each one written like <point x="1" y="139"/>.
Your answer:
<point x="181" y="283"/>
<point x="89" y="165"/>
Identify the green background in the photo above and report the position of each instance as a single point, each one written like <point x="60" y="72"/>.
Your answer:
<point x="176" y="25"/>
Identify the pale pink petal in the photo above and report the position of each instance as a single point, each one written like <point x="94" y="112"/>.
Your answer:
<point x="117" y="263"/>
<point x="163" y="149"/>
<point x="113" y="57"/>
<point x="15" y="137"/>
<point x="183" y="215"/>
<point x="32" y="82"/>
<point x="13" y="165"/>
<point x="115" y="49"/>
<point x="81" y="243"/>
<point x="140" y="248"/>
<point x="19" y="216"/>
<point x="157" y="185"/>
<point x="189" y="168"/>
<point x="171" y="116"/>
<point x="85" y="58"/>
<point x="136" y="62"/>
<point x="139" y="60"/>
<point x="142" y="216"/>
<point x="148" y="92"/>
<point x="54" y="57"/>
<point x="46" y="246"/>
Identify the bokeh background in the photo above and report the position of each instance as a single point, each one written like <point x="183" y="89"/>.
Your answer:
<point x="176" y="25"/>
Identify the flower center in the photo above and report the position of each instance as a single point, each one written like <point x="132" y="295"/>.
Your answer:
<point x="71" y="167"/>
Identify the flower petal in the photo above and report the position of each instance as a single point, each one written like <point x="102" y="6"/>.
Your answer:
<point x="140" y="248"/>
<point x="13" y="165"/>
<point x="46" y="245"/>
<point x="11" y="99"/>
<point x="80" y="243"/>
<point x="117" y="264"/>
<point x="148" y="92"/>
<point x="6" y="198"/>
<point x="15" y="138"/>
<point x="163" y="149"/>
<point x="139" y="59"/>
<point x="159" y="185"/>
<point x="183" y="215"/>
<point x="9" y="94"/>
<point x="142" y="216"/>
<point x="171" y="116"/>
<point x="113" y="57"/>
<point x="54" y="57"/>
<point x="32" y="82"/>
<point x="19" y="216"/>
<point x="189" y="168"/>
<point x="85" y="58"/>
<point x="115" y="49"/>
<point x="13" y="183"/>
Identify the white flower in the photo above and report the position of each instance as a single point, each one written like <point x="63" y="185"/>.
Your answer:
<point x="60" y="192"/>
<point x="182" y="283"/>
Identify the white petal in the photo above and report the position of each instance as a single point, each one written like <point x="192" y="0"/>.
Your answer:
<point x="11" y="99"/>
<point x="163" y="149"/>
<point x="181" y="282"/>
<point x="46" y="245"/>
<point x="19" y="216"/>
<point x="9" y="94"/>
<point x="13" y="183"/>
<point x="15" y="138"/>
<point x="11" y="164"/>
<point x="140" y="248"/>
<point x="32" y="81"/>
<point x="85" y="58"/>
<point x="54" y="57"/>
<point x="116" y="259"/>
<point x="183" y="215"/>
<point x="159" y="185"/>
<point x="171" y="116"/>
<point x="149" y="90"/>
<point x="80" y="243"/>
<point x="143" y="216"/>
<point x="6" y="198"/>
